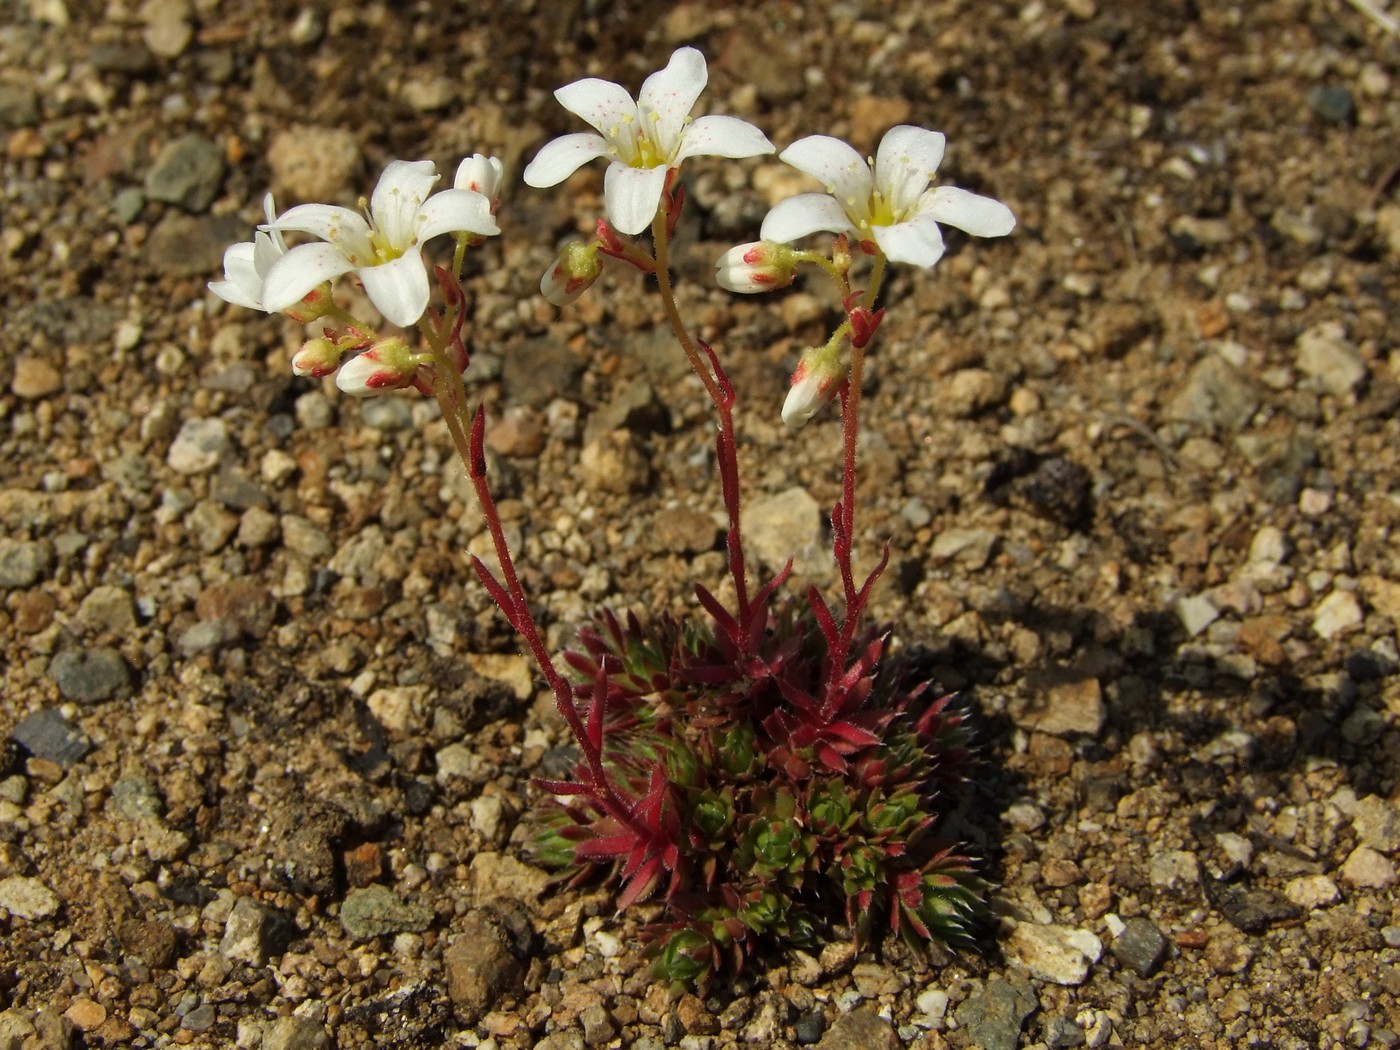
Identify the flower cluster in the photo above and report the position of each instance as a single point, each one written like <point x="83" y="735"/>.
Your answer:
<point x="762" y="768"/>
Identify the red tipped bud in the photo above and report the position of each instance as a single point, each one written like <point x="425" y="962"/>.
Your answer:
<point x="317" y="357"/>
<point x="572" y="273"/>
<point x="758" y="266"/>
<point x="388" y="365"/>
<point x="815" y="382"/>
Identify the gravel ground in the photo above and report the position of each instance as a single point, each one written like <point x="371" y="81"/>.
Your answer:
<point x="266" y="747"/>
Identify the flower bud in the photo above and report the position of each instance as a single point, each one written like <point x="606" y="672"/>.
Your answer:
<point x="317" y="357"/>
<point x="571" y="274"/>
<point x="814" y="383"/>
<point x="481" y="174"/>
<point x="759" y="266"/>
<point x="388" y="365"/>
<point x="314" y="305"/>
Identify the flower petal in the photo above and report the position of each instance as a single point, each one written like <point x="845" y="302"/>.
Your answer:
<point x="918" y="242"/>
<point x="398" y="288"/>
<point x="632" y="196"/>
<point x="669" y="95"/>
<point x="397" y="198"/>
<point x="559" y="159"/>
<point x="605" y="105"/>
<point x="456" y="211"/>
<point x="481" y="174"/>
<point x="977" y="215"/>
<point x="717" y="136"/>
<point x="806" y="213"/>
<point x="241" y="284"/>
<point x="267" y="249"/>
<point x="325" y="221"/>
<point x="838" y="167"/>
<point x="299" y="271"/>
<point x="905" y="163"/>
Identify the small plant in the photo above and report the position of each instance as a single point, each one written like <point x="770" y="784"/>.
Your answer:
<point x="761" y="767"/>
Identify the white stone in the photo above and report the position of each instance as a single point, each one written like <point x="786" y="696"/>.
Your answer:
<point x="27" y="898"/>
<point x="1059" y="954"/>
<point x="1337" y="614"/>
<point x="1196" y="613"/>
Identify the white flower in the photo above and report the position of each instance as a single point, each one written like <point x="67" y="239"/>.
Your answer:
<point x="644" y="139"/>
<point x="888" y="202"/>
<point x="247" y="264"/>
<point x="385" y="250"/>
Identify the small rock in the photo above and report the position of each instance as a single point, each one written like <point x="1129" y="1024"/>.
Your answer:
<point x="305" y="538"/>
<point x="1062" y="1032"/>
<point x="614" y="462"/>
<point x="252" y="932"/>
<point x="23" y="562"/>
<point x="108" y="608"/>
<point x="634" y="407"/>
<point x="1377" y="823"/>
<point x="27" y="898"/>
<point x="994" y="1013"/>
<point x="1196" y="613"/>
<point x="85" y="1014"/>
<point x="1332" y="102"/>
<point x="198" y="447"/>
<point x="1248" y="910"/>
<point x="19" y="106"/>
<point x="1337" y="614"/>
<point x="1064" y="709"/>
<point x="1215" y="394"/>
<point x="387" y="414"/>
<point x="46" y="734"/>
<point x="183" y="245"/>
<point x="684" y="531"/>
<point x="187" y="172"/>
<point x="970" y="391"/>
<point x="1330" y="360"/>
<point x="1311" y="892"/>
<point x="377" y="910"/>
<point x="35" y="379"/>
<point x="87" y="676"/>
<point x="480" y="966"/>
<point x="971" y="548"/>
<point x="153" y="942"/>
<point x="1174" y="870"/>
<point x="208" y="636"/>
<point x="861" y="1029"/>
<point x="313" y="163"/>
<point x="1141" y="947"/>
<point x="1059" y="954"/>
<point x="295" y="1033"/>
<point x="787" y="525"/>
<point x="1368" y="869"/>
<point x="598" y="1026"/>
<point x="518" y="431"/>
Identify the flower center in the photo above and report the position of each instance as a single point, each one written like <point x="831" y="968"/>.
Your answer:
<point x="634" y="146"/>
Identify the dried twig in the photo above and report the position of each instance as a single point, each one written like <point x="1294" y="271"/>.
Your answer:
<point x="1382" y="18"/>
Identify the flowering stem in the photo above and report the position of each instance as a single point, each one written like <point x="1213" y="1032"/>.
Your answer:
<point x="722" y="395"/>
<point x="451" y="397"/>
<point x="843" y="521"/>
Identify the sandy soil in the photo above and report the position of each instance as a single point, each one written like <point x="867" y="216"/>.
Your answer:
<point x="265" y="746"/>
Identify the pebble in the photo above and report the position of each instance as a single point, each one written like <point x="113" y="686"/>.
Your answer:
<point x="1062" y="1032"/>
<point x="480" y="967"/>
<point x="1325" y="355"/>
<point x="183" y="245"/>
<point x="1215" y="394"/>
<point x="19" y="106"/>
<point x="971" y="548"/>
<point x="295" y="1033"/>
<point x="313" y="163"/>
<point x="1368" y="868"/>
<point x="994" y="1013"/>
<point x="1196" y="612"/>
<point x="85" y="1014"/>
<point x="305" y="538"/>
<point x="386" y="414"/>
<point x="1174" y="869"/>
<point x="1065" y="709"/>
<point x="1059" y="954"/>
<point x="46" y="734"/>
<point x="970" y="391"/>
<point x="27" y="898"/>
<point x="933" y="1006"/>
<point x="598" y="1026"/>
<point x="1332" y="102"/>
<point x="497" y="876"/>
<point x="1141" y="947"/>
<point x="187" y="172"/>
<point x="787" y="525"/>
<point x="23" y="562"/>
<point x="1377" y="823"/>
<point x="809" y="1028"/>
<point x="635" y="407"/>
<point x="108" y="608"/>
<point x="1311" y="892"/>
<point x="1337" y="614"/>
<point x="258" y="528"/>
<point x="35" y="379"/>
<point x="861" y="1029"/>
<point x="198" y="447"/>
<point x="377" y="910"/>
<point x="249" y="932"/>
<point x="208" y="636"/>
<point x="87" y="676"/>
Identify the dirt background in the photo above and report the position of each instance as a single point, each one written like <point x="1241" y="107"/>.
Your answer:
<point x="267" y="746"/>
